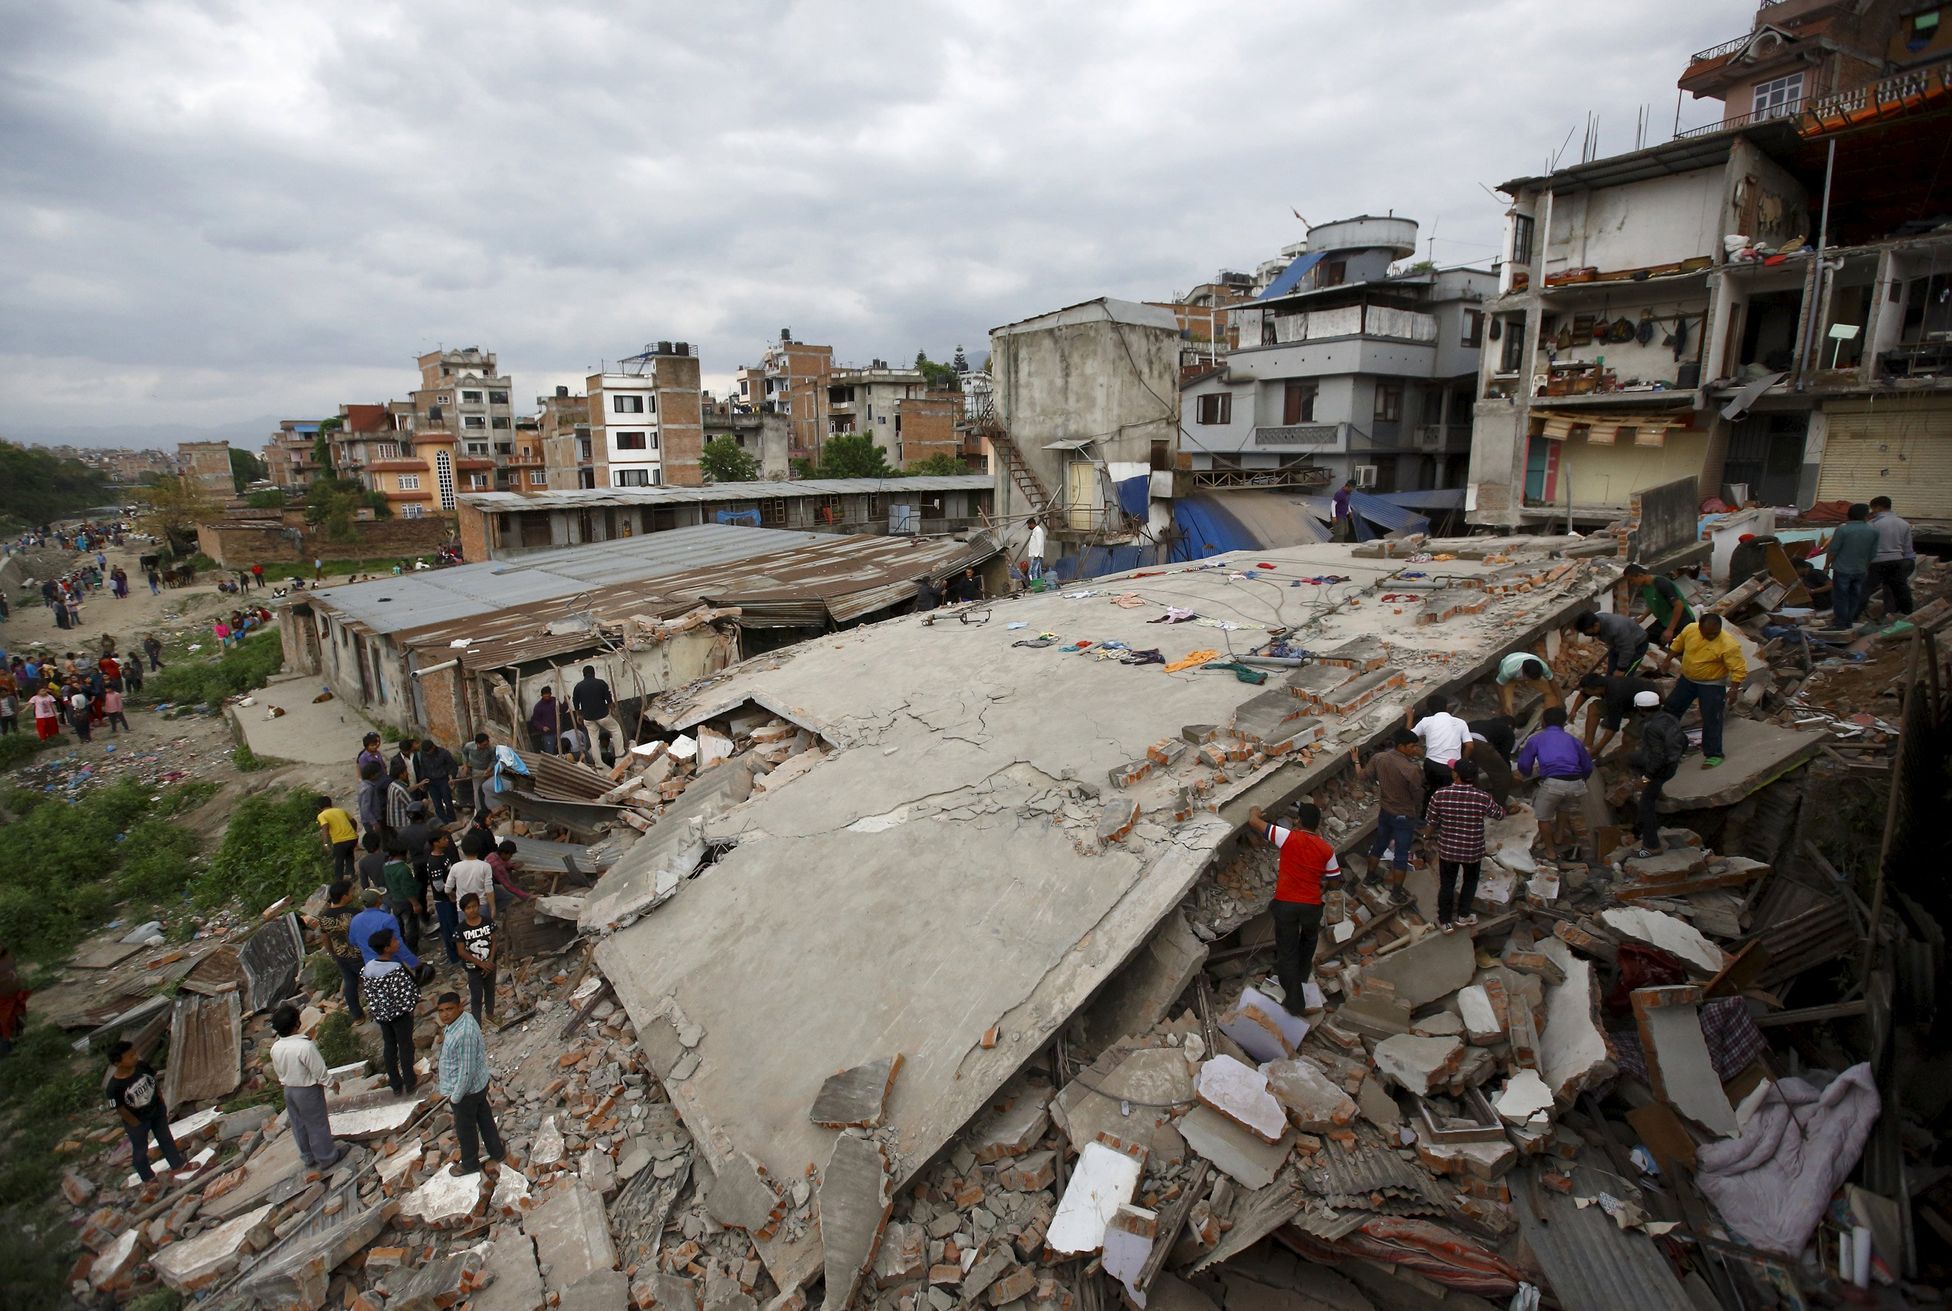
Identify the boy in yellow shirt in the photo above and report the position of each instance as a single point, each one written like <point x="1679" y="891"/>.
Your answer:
<point x="340" y="837"/>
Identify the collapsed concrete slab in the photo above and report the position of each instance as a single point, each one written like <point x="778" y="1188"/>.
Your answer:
<point x="1756" y="752"/>
<point x="1573" y="1053"/>
<point x="1151" y="1082"/>
<point x="856" y="1197"/>
<point x="1234" y="1151"/>
<point x="1433" y="966"/>
<point x="1240" y="1092"/>
<point x="1679" y="1067"/>
<point x="1103" y="1180"/>
<point x="194" y="1263"/>
<point x="1141" y="994"/>
<point x="1314" y="1102"/>
<point x="1417" y="1064"/>
<point x="572" y="1236"/>
<point x="1669" y="933"/>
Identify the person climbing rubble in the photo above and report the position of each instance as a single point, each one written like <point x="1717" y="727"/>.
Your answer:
<point x="1399" y="781"/>
<point x="1667" y="611"/>
<point x="1657" y="755"/>
<point x="1307" y="861"/>
<point x="1711" y="667"/>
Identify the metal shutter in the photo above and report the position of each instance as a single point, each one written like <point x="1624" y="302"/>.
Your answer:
<point x="1900" y="448"/>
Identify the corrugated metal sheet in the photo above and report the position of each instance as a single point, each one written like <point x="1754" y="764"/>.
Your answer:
<point x="270" y="959"/>
<point x="206" y="1048"/>
<point x="1354" y="1179"/>
<point x="599" y="498"/>
<point x="1897" y="447"/>
<point x="1591" y="1263"/>
<point x="560" y="779"/>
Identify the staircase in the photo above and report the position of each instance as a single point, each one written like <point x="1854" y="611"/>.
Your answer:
<point x="1027" y="481"/>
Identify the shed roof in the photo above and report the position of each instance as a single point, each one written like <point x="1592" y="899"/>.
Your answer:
<point x="1105" y="309"/>
<point x="597" y="498"/>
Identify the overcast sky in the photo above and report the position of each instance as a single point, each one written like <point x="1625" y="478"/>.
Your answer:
<point x="216" y="213"/>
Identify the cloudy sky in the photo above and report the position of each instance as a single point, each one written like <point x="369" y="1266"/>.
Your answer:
<point x="213" y="214"/>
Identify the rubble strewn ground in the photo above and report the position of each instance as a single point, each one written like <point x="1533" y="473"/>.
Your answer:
<point x="944" y="982"/>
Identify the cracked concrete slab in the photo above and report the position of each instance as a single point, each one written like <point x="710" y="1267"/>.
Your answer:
<point x="856" y="1198"/>
<point x="856" y="1098"/>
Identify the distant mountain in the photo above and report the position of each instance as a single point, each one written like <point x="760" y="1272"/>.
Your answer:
<point x="248" y="434"/>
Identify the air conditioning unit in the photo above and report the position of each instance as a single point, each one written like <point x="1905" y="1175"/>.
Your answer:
<point x="1365" y="475"/>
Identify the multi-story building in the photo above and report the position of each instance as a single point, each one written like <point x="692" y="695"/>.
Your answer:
<point x="762" y="434"/>
<point x="792" y="379"/>
<point x="1086" y="424"/>
<point x="207" y="465"/>
<point x="1204" y="323"/>
<point x="1756" y="304"/>
<point x="868" y="399"/>
<point x="291" y="457"/>
<point x="405" y="454"/>
<point x="1342" y="369"/>
<point x="562" y="425"/>
<point x="647" y="425"/>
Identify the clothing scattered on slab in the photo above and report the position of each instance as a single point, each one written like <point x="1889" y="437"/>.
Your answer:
<point x="1193" y="661"/>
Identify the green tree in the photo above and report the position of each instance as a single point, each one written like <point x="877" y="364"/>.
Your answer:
<point x="722" y="461"/>
<point x="245" y="469"/>
<point x="270" y="499"/>
<point x="36" y="488"/>
<point x="322" y="444"/>
<point x="171" y="509"/>
<point x="940" y="377"/>
<point x="854" y="455"/>
<point x="939" y="465"/>
<point x="334" y="504"/>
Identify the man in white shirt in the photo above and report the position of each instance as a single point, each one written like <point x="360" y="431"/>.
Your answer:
<point x="1446" y="739"/>
<point x="301" y="1069"/>
<point x="1034" y="553"/>
<point x="473" y="876"/>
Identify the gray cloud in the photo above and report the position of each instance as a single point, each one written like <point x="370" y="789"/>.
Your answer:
<point x="213" y="212"/>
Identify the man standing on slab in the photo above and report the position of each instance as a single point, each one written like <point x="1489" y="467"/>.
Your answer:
<point x="464" y="1082"/>
<point x="597" y="707"/>
<point x="1306" y="861"/>
<point x="1711" y="667"/>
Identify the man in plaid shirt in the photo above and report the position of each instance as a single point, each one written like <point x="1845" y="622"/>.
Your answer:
<point x="1456" y="814"/>
<point x="464" y="1082"/>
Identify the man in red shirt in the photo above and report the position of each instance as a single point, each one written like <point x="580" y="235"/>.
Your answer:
<point x="1306" y="860"/>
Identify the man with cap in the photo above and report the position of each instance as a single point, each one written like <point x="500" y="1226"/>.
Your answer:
<point x="1657" y="755"/>
<point x="1609" y="701"/>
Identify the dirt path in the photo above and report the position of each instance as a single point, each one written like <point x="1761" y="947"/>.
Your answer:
<point x="178" y="610"/>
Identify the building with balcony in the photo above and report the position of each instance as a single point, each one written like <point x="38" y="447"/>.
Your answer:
<point x="1759" y="307"/>
<point x="463" y="394"/>
<point x="291" y="457"/>
<point x="792" y="379"/>
<point x="1342" y="369"/>
<point x="647" y="424"/>
<point x="762" y="434"/>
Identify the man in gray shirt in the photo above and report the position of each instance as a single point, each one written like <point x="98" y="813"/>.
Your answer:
<point x="1895" y="558"/>
<point x="1626" y="641"/>
<point x="477" y="763"/>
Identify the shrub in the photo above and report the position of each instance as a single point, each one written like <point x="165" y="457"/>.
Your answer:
<point x="339" y="1042"/>
<point x="16" y="749"/>
<point x="161" y="861"/>
<point x="243" y="668"/>
<point x="270" y="850"/>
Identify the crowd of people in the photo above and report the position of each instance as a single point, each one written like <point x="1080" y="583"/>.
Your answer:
<point x="421" y="861"/>
<point x="82" y="691"/>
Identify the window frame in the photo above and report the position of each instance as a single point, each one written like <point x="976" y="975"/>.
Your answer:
<point x="1473" y="329"/>
<point x="627" y="404"/>
<point x="1777" y="106"/>
<point x="1388" y="407"/>
<point x="1298" y="397"/>
<point x="1214" y="408"/>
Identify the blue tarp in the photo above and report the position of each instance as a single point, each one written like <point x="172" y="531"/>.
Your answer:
<point x="748" y="517"/>
<point x="1439" y="498"/>
<point x="1134" y="495"/>
<point x="1206" y="529"/>
<point x="1292" y="275"/>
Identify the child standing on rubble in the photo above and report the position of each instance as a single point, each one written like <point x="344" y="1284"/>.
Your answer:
<point x="1457" y="814"/>
<point x="478" y="951"/>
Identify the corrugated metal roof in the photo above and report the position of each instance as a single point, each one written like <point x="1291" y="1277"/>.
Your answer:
<point x="898" y="488"/>
<point x="1591" y="1263"/>
<point x="828" y="576"/>
<point x="206" y="1048"/>
<point x="1110" y="310"/>
<point x="416" y="600"/>
<point x="1371" y="1178"/>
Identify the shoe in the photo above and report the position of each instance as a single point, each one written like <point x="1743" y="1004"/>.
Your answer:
<point x="1646" y="853"/>
<point x="1447" y="927"/>
<point x="1468" y="921"/>
<point x="1398" y="897"/>
<point x="460" y="1171"/>
<point x="1709" y="762"/>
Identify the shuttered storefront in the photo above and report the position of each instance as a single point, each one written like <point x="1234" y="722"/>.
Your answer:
<point x="1900" y="447"/>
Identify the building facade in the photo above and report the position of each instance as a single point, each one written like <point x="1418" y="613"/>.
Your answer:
<point x="762" y="434"/>
<point x="562" y="426"/>
<point x="1755" y="304"/>
<point x="647" y="424"/>
<point x="207" y="466"/>
<point x="1086" y="426"/>
<point x="792" y="379"/>
<point x="291" y="457"/>
<point x="1342" y="369"/>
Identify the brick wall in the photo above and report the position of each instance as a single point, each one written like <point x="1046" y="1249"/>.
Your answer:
<point x="928" y="426"/>
<point x="238" y="546"/>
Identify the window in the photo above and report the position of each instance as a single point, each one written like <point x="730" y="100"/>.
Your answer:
<point x="1298" y="403"/>
<point x="1521" y="240"/>
<point x="409" y="482"/>
<point x="477" y="448"/>
<point x="474" y="421"/>
<point x="470" y="398"/>
<point x="444" y="479"/>
<point x="626" y="405"/>
<point x="583" y="449"/>
<point x="413" y="510"/>
<point x="631" y="477"/>
<point x="1512" y="358"/>
<point x="635" y="441"/>
<point x="586" y="479"/>
<point x="498" y="398"/>
<point x="537" y="478"/>
<point x="1217" y="409"/>
<point x="1777" y="97"/>
<point x="1473" y="328"/>
<point x="1389" y="402"/>
<point x="1332" y="273"/>
<point x="745" y="386"/>
<point x="477" y="482"/>
<point x="499" y="421"/>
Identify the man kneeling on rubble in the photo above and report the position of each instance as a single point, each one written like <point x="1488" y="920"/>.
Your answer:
<point x="1306" y="860"/>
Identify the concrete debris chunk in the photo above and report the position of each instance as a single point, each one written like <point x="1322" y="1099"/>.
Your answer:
<point x="1679" y="1067"/>
<point x="856" y="1098"/>
<point x="446" y="1199"/>
<point x="1418" y="1065"/>
<point x="1236" y="1153"/>
<point x="1240" y="1092"/>
<point x="514" y="1279"/>
<point x="1016" y="1127"/>
<point x="572" y="1236"/>
<point x="1433" y="966"/>
<point x="1103" y="1180"/>
<point x="1265" y="1029"/>
<point x="190" y="1264"/>
<point x="1573" y="1053"/>
<point x="1314" y="1102"/>
<point x="1128" y="1242"/>
<point x="856" y="1198"/>
<point x="904" y="1255"/>
<point x="1669" y="933"/>
<point x="1526" y="1101"/>
<point x="741" y="1197"/>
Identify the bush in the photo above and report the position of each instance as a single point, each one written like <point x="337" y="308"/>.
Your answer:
<point x="16" y="749"/>
<point x="339" y="1042"/>
<point x="161" y="862"/>
<point x="270" y="850"/>
<point x="244" y="668"/>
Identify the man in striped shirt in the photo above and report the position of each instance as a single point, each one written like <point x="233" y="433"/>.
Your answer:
<point x="1457" y="814"/>
<point x="464" y="1082"/>
<point x="1306" y="860"/>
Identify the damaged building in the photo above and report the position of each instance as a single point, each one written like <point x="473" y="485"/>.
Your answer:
<point x="456" y="651"/>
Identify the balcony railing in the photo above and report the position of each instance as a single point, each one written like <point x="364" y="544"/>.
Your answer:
<point x="1288" y="475"/>
<point x="1302" y="434"/>
<point x="1356" y="321"/>
<point x="1897" y="90"/>
<point x="1787" y="109"/>
<point x="1716" y="52"/>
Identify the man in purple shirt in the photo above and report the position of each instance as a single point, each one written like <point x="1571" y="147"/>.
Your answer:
<point x="1562" y="764"/>
<point x="1342" y="525"/>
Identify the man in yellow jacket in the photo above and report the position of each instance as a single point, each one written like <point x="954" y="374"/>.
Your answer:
<point x="1710" y="664"/>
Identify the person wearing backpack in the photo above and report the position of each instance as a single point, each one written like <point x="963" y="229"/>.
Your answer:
<point x="1662" y="744"/>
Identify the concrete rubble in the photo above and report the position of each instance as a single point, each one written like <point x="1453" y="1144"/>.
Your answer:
<point x="981" y="1010"/>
